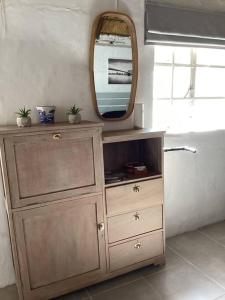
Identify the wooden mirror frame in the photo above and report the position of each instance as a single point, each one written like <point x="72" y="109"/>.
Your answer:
<point x="134" y="47"/>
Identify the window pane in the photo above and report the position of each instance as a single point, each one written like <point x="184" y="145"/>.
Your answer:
<point x="162" y="81"/>
<point x="172" y="116"/>
<point x="182" y="55"/>
<point x="211" y="57"/>
<point x="181" y="116"/>
<point x="208" y="115"/>
<point x="210" y="82"/>
<point x="181" y="82"/>
<point x="162" y="114"/>
<point x="176" y="115"/>
<point x="163" y="54"/>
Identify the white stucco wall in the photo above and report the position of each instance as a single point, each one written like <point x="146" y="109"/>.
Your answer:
<point x="44" y="59"/>
<point x="194" y="183"/>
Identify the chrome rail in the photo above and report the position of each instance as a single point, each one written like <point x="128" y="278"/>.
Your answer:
<point x="183" y="148"/>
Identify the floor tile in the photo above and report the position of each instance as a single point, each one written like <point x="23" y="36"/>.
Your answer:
<point x="78" y="295"/>
<point x="172" y="260"/>
<point x="183" y="282"/>
<point x="215" y="231"/>
<point x="222" y="242"/>
<point x="195" y="263"/>
<point x="137" y="290"/>
<point x="115" y="282"/>
<point x="202" y="252"/>
<point x="9" y="293"/>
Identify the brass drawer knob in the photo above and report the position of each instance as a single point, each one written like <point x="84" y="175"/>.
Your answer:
<point x="57" y="136"/>
<point x="101" y="227"/>
<point x="136" y="217"/>
<point x="137" y="246"/>
<point x="136" y="188"/>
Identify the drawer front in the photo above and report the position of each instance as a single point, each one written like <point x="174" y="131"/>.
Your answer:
<point x="51" y="166"/>
<point x="137" y="250"/>
<point x="135" y="223"/>
<point x="131" y="197"/>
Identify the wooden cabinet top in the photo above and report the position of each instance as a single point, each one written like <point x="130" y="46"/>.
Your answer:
<point x="129" y="135"/>
<point x="13" y="129"/>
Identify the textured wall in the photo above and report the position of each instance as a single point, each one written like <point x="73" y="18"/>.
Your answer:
<point x="44" y="56"/>
<point x="194" y="183"/>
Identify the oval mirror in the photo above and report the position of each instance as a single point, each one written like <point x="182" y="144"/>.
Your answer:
<point x="113" y="66"/>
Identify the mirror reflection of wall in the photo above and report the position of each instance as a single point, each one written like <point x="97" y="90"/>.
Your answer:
<point x="113" y="68"/>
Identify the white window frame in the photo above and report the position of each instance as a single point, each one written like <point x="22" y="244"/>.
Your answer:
<point x="190" y="95"/>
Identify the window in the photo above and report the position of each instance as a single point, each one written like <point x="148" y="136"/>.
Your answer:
<point x="189" y="89"/>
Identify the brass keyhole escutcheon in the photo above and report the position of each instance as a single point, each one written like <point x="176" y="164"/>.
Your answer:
<point x="57" y="136"/>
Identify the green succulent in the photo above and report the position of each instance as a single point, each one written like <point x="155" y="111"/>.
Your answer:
<point x="74" y="110"/>
<point x="23" y="112"/>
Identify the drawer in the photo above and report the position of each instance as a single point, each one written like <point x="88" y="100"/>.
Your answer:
<point x="135" y="223"/>
<point x="137" y="250"/>
<point x="131" y="197"/>
<point x="53" y="165"/>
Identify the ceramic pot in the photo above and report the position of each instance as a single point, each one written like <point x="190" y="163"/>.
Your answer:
<point x="46" y="114"/>
<point x="74" y="119"/>
<point x="23" y="122"/>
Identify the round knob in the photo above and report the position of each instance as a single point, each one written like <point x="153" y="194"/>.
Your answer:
<point x="56" y="136"/>
<point x="136" y="217"/>
<point x="136" y="188"/>
<point x="137" y="246"/>
<point x="101" y="226"/>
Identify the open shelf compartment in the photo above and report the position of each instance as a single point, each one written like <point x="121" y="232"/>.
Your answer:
<point x="146" y="152"/>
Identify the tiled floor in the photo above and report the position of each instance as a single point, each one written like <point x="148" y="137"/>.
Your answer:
<point x="195" y="270"/>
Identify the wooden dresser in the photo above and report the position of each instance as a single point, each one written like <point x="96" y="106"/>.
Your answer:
<point x="68" y="228"/>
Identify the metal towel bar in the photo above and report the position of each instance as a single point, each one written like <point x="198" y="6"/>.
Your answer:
<point x="183" y="148"/>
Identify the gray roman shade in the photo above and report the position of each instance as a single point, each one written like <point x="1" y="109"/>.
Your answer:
<point x="169" y="24"/>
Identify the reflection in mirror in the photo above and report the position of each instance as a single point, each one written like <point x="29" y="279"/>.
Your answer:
<point x="113" y="66"/>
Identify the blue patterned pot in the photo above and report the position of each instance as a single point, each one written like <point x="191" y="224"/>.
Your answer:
<point x="46" y="114"/>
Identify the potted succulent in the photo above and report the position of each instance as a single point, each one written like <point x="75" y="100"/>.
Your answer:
<point x="74" y="116"/>
<point x="23" y="119"/>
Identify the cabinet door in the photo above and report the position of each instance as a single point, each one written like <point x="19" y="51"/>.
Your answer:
<point x="60" y="247"/>
<point x="51" y="166"/>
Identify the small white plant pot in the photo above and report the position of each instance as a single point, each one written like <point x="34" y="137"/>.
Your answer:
<point x="23" y="122"/>
<point x="74" y="119"/>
